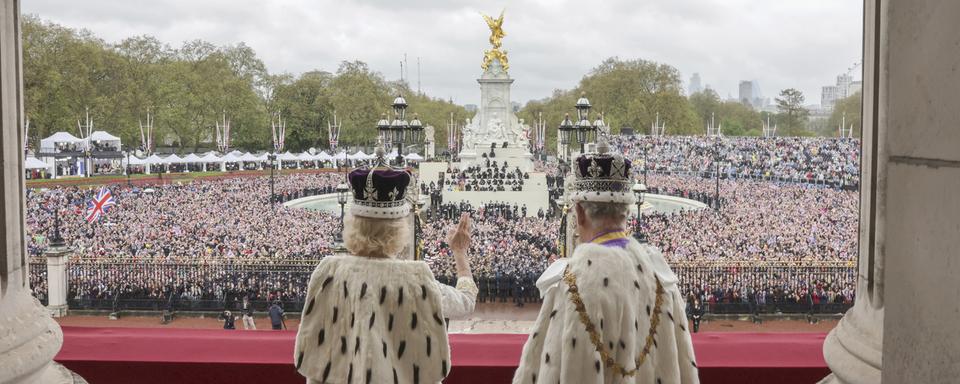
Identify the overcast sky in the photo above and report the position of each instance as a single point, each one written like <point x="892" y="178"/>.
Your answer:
<point x="802" y="44"/>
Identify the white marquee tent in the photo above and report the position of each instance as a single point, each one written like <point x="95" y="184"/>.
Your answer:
<point x="287" y="156"/>
<point x="153" y="159"/>
<point x="173" y="159"/>
<point x="231" y="157"/>
<point x="105" y="138"/>
<point x="34" y="163"/>
<point x="50" y="143"/>
<point x="192" y="158"/>
<point x="137" y="161"/>
<point x="211" y="157"/>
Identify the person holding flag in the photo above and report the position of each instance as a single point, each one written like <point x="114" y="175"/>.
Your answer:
<point x="99" y="205"/>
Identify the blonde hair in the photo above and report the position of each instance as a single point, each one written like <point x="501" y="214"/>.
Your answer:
<point x="364" y="236"/>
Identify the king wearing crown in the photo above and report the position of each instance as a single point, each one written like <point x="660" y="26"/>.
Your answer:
<point x="371" y="316"/>
<point x="612" y="312"/>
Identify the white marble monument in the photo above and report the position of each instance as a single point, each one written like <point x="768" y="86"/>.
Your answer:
<point x="495" y="126"/>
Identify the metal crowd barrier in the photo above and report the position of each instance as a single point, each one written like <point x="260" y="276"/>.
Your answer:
<point x="218" y="284"/>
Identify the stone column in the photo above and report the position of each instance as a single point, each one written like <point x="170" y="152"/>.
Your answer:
<point x="29" y="338"/>
<point x="908" y="295"/>
<point x="58" y="260"/>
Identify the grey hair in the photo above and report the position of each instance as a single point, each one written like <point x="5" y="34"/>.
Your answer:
<point x="603" y="211"/>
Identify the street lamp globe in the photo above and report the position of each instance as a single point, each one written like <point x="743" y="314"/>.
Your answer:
<point x="383" y="129"/>
<point x="639" y="189"/>
<point x="416" y="128"/>
<point x="400" y="106"/>
<point x="598" y="124"/>
<point x="342" y="193"/>
<point x="583" y="107"/>
<point x="566" y="126"/>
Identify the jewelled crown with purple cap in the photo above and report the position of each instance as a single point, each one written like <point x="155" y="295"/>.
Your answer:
<point x="380" y="192"/>
<point x="602" y="177"/>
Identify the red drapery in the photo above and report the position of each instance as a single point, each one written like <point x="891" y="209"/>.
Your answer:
<point x="163" y="355"/>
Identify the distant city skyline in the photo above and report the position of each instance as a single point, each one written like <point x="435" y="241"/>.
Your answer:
<point x="780" y="44"/>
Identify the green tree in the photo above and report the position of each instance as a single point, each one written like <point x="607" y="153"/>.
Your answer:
<point x="792" y="115"/>
<point x="629" y="93"/>
<point x="846" y="110"/>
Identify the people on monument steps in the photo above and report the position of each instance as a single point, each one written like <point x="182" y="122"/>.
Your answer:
<point x="491" y="177"/>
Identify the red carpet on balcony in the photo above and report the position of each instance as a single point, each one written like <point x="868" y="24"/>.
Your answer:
<point x="186" y="356"/>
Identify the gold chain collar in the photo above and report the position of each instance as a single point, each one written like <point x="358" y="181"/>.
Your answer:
<point x="606" y="355"/>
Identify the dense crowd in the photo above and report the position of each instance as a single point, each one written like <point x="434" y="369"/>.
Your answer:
<point x="219" y="240"/>
<point x="509" y="251"/>
<point x="760" y="223"/>
<point x="201" y="221"/>
<point x="815" y="160"/>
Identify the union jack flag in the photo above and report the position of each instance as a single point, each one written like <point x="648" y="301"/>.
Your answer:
<point x="99" y="205"/>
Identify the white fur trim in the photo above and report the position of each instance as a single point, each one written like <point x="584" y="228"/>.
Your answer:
<point x="377" y="210"/>
<point x="604" y="197"/>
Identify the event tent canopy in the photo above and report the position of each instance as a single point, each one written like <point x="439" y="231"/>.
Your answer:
<point x="210" y="157"/>
<point x="137" y="161"/>
<point x="413" y="157"/>
<point x="192" y="158"/>
<point x="358" y="156"/>
<point x="173" y="159"/>
<point x="231" y="157"/>
<point x="102" y="136"/>
<point x="153" y="159"/>
<point x="50" y="143"/>
<point x="34" y="163"/>
<point x="249" y="157"/>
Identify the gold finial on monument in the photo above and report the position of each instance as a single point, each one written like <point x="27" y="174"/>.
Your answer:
<point x="496" y="36"/>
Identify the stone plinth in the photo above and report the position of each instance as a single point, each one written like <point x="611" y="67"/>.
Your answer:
<point x="58" y="261"/>
<point x="496" y="124"/>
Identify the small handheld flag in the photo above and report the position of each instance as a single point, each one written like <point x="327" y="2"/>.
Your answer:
<point x="99" y="205"/>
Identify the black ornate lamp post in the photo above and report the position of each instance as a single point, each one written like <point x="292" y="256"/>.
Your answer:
<point x="128" y="166"/>
<point x="56" y="240"/>
<point x="383" y="129"/>
<point x="566" y="126"/>
<point x="399" y="125"/>
<point x="342" y="191"/>
<point x="716" y="193"/>
<point x="395" y="133"/>
<point x="416" y="130"/>
<point x="272" y="158"/>
<point x="586" y="131"/>
<point x="639" y="190"/>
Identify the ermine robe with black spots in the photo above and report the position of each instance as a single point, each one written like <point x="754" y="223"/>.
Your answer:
<point x="618" y="289"/>
<point x="369" y="320"/>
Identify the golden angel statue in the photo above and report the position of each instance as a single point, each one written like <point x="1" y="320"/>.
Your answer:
<point x="496" y="29"/>
<point x="496" y="35"/>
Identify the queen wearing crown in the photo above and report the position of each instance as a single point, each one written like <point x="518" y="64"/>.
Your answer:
<point x="612" y="312"/>
<point x="372" y="316"/>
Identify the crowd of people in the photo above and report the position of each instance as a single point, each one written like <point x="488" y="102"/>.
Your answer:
<point x="814" y="160"/>
<point x="487" y="178"/>
<point x="809" y="228"/>
<point x="509" y="251"/>
<point x="210" y="222"/>
<point x="219" y="240"/>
